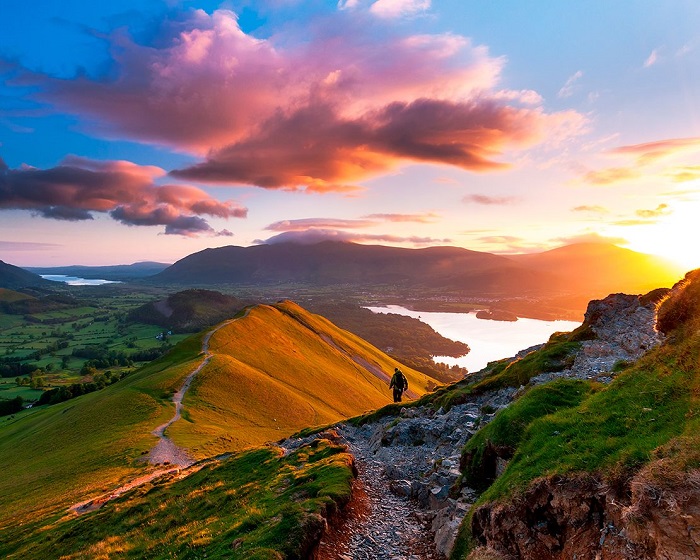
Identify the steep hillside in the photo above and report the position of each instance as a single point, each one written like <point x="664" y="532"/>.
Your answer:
<point x="272" y="371"/>
<point x="189" y="310"/>
<point x="613" y="472"/>
<point x="277" y="370"/>
<point x="13" y="278"/>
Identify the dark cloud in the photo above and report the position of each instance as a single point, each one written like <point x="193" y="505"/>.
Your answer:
<point x="79" y="186"/>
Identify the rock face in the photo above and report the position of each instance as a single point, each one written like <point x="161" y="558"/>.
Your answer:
<point x="583" y="518"/>
<point x="624" y="329"/>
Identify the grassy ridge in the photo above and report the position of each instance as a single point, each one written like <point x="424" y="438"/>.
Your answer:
<point x="273" y="372"/>
<point x="55" y="456"/>
<point x="257" y="504"/>
<point x="276" y="371"/>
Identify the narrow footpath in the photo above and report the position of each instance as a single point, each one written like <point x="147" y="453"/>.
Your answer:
<point x="378" y="524"/>
<point x="177" y="460"/>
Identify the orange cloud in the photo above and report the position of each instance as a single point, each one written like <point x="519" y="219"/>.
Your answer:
<point x="650" y="152"/>
<point x="660" y="210"/>
<point x="611" y="175"/>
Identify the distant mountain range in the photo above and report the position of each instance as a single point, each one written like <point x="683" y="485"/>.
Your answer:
<point x="594" y="268"/>
<point x="120" y="272"/>
<point x="556" y="283"/>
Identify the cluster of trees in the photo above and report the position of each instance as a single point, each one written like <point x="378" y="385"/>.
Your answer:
<point x="101" y="357"/>
<point x="12" y="367"/>
<point x="10" y="406"/>
<point x="66" y="392"/>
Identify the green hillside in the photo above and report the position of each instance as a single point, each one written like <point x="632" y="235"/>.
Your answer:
<point x="258" y="504"/>
<point x="642" y="431"/>
<point x="273" y="371"/>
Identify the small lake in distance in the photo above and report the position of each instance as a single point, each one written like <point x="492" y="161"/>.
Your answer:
<point x="75" y="281"/>
<point x="489" y="340"/>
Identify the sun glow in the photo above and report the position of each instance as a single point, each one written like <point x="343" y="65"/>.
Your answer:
<point x="675" y="237"/>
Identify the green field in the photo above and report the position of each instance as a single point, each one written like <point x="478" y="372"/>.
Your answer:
<point x="50" y="337"/>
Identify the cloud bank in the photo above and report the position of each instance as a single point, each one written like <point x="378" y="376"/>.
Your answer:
<point x="350" y="99"/>
<point x="78" y="187"/>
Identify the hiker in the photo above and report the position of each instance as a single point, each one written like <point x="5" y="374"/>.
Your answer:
<point x="399" y="383"/>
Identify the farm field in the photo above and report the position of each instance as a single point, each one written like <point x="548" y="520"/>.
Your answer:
<point x="54" y="340"/>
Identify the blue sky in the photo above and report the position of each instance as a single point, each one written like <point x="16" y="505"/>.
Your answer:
<point x="148" y="130"/>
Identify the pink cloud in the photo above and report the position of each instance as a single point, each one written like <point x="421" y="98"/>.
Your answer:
<point x="422" y="218"/>
<point x="649" y="152"/>
<point x="78" y="187"/>
<point x="319" y="223"/>
<point x="490" y="200"/>
<point x="348" y="99"/>
<point x="313" y="235"/>
<point x="594" y="209"/>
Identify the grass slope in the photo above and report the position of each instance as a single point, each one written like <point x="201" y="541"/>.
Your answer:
<point x="54" y="456"/>
<point x="273" y="372"/>
<point x="258" y="504"/>
<point x="277" y="370"/>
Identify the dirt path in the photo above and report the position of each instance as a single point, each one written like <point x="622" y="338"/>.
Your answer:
<point x="166" y="451"/>
<point x="377" y="525"/>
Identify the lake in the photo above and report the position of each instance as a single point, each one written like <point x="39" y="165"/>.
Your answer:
<point x="76" y="281"/>
<point x="488" y="340"/>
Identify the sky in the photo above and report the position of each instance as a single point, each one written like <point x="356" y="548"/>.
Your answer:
<point x="149" y="130"/>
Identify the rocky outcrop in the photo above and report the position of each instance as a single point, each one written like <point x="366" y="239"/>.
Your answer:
<point x="623" y="328"/>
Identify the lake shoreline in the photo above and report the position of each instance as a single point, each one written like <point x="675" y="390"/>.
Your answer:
<point x="488" y="340"/>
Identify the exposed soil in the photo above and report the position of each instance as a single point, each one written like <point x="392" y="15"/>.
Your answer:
<point x="377" y="524"/>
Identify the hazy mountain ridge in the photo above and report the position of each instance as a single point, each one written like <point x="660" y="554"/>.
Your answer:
<point x="119" y="272"/>
<point x="562" y="280"/>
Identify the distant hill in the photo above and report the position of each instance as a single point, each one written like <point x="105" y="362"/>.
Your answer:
<point x="119" y="272"/>
<point x="13" y="278"/>
<point x="603" y="268"/>
<point x="190" y="310"/>
<point x="338" y="263"/>
<point x="552" y="284"/>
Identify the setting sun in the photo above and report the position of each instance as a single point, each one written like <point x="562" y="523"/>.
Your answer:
<point x="674" y="236"/>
